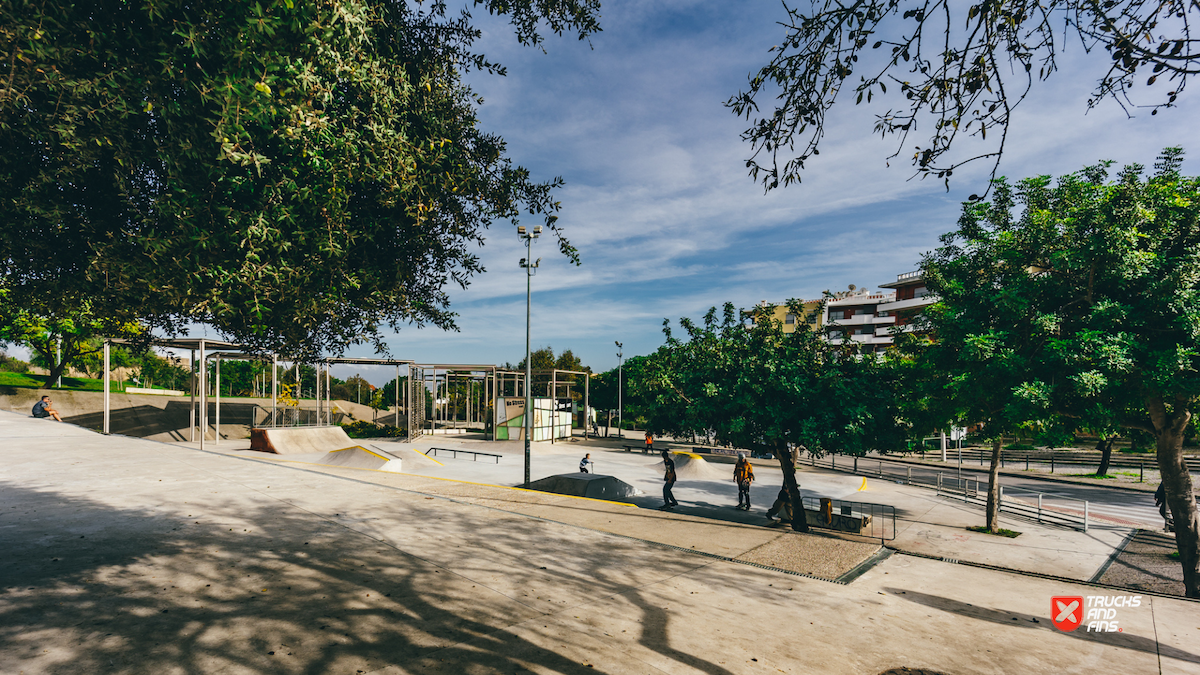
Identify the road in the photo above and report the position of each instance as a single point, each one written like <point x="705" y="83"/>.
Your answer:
<point x="1125" y="506"/>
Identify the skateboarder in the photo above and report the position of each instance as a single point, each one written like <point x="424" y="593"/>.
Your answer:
<point x="782" y="506"/>
<point x="743" y="475"/>
<point x="583" y="463"/>
<point x="668" y="480"/>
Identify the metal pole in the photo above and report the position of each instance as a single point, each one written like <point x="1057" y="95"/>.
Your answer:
<point x="274" y="390"/>
<point x="528" y="360"/>
<point x="620" y="393"/>
<point x="587" y="415"/>
<point x="553" y="404"/>
<point x="1085" y="516"/>
<point x="203" y="396"/>
<point x="943" y="435"/>
<point x="217" y="435"/>
<point x="106" y="403"/>
<point x="192" y="412"/>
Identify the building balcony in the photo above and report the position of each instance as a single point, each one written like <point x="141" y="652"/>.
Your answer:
<point x="898" y="305"/>
<point x="862" y="319"/>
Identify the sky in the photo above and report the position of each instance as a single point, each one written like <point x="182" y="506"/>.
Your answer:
<point x="658" y="201"/>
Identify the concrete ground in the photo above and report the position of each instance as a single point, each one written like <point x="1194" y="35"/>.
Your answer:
<point x="131" y="556"/>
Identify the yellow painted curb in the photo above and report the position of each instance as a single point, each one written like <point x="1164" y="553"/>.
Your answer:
<point x="863" y="487"/>
<point x="433" y="458"/>
<point x="686" y="454"/>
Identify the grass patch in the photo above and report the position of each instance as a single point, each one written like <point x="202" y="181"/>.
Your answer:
<point x="1095" y="475"/>
<point x="1019" y="446"/>
<point x="39" y="382"/>
<point x="1000" y="533"/>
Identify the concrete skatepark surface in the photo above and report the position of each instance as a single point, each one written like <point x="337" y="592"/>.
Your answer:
<point x="130" y="556"/>
<point x="299" y="440"/>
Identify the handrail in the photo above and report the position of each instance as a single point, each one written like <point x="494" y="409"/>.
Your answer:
<point x="454" y="453"/>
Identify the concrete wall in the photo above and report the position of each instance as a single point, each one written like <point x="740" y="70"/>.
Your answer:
<point x="160" y="418"/>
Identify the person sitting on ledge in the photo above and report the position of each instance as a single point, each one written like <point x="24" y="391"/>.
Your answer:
<point x="42" y="409"/>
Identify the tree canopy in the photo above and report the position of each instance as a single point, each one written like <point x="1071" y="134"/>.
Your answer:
<point x="1076" y="303"/>
<point x="295" y="174"/>
<point x="958" y="71"/>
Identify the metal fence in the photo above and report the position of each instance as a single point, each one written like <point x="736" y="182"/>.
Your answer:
<point x="1044" y="507"/>
<point x="1039" y="458"/>
<point x="847" y="516"/>
<point x="285" y="416"/>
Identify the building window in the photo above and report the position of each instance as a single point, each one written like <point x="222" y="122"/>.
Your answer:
<point x="789" y="319"/>
<point x="920" y="292"/>
<point x="833" y="334"/>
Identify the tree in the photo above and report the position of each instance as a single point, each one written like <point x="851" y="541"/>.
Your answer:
<point x="60" y="336"/>
<point x="1087" y="293"/>
<point x="960" y="68"/>
<point x="754" y="386"/>
<point x="295" y="174"/>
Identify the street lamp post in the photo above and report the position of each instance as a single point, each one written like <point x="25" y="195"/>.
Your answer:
<point x="620" y="388"/>
<point x="530" y="266"/>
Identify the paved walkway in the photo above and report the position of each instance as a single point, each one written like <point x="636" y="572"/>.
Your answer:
<point x="131" y="556"/>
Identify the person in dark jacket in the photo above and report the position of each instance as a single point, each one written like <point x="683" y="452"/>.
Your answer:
<point x="1160" y="500"/>
<point x="668" y="481"/>
<point x="782" y="506"/>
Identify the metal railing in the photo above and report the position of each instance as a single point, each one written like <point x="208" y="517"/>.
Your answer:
<point x="878" y="520"/>
<point x="1044" y="507"/>
<point x="1027" y="459"/>
<point x="262" y="417"/>
<point x="455" y="453"/>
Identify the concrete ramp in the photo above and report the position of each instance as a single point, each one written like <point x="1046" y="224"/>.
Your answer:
<point x="358" y="457"/>
<point x="690" y="466"/>
<point x="414" y="460"/>
<point x="590" y="485"/>
<point x="299" y="440"/>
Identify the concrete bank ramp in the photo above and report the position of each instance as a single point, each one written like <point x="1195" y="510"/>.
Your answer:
<point x="299" y="440"/>
<point x="414" y="459"/>
<point x="690" y="466"/>
<point x="358" y="457"/>
<point x="590" y="485"/>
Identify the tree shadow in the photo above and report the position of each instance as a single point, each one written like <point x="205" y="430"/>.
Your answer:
<point x="1120" y="640"/>
<point x="276" y="589"/>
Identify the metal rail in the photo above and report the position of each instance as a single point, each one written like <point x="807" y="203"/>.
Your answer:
<point x="455" y="453"/>
<point x="1049" y="508"/>
<point x="842" y="515"/>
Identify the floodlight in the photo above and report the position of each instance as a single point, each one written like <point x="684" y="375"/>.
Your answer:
<point x="521" y="230"/>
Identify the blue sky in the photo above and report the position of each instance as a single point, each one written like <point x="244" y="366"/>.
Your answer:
<point x="658" y="201"/>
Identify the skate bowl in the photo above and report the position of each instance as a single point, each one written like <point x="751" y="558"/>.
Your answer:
<point x="299" y="440"/>
<point x="358" y="457"/>
<point x="690" y="466"/>
<point x="591" y="485"/>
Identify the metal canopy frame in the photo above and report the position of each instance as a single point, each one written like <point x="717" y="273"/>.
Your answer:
<point x="199" y="378"/>
<point x="474" y="372"/>
<point x="365" y="362"/>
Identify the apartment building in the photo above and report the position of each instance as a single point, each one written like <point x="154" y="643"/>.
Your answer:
<point x="868" y="317"/>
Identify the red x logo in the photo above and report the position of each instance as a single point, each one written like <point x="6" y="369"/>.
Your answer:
<point x="1067" y="612"/>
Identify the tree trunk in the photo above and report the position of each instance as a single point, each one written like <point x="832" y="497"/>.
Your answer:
<point x="788" y="463"/>
<point x="1105" y="456"/>
<point x="993" y="498"/>
<point x="1177" y="481"/>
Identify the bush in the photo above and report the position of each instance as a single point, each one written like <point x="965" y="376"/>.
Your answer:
<point x="10" y="365"/>
<point x="365" y="429"/>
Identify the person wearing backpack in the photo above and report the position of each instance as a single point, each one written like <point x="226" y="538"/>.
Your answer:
<point x="743" y="475"/>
